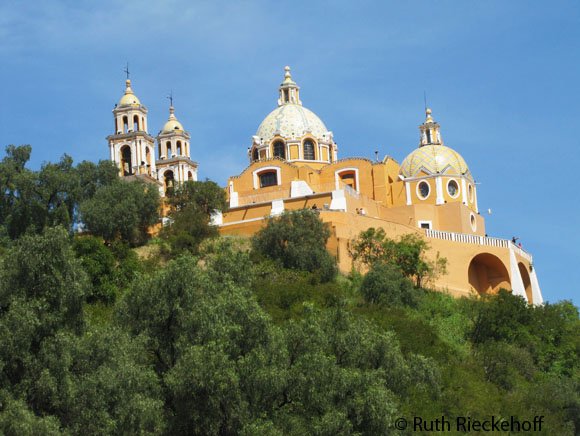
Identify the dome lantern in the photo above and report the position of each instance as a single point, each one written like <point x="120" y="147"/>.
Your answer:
<point x="430" y="131"/>
<point x="289" y="90"/>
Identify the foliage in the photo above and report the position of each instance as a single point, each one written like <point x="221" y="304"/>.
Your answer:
<point x="122" y="210"/>
<point x="297" y="240"/>
<point x="191" y="206"/>
<point x="386" y="284"/>
<point x="34" y="200"/>
<point x="408" y="253"/>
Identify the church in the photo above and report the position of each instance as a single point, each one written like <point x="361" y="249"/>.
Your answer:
<point x="293" y="163"/>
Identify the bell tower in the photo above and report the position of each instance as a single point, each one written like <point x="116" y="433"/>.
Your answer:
<point x="174" y="164"/>
<point x="130" y="146"/>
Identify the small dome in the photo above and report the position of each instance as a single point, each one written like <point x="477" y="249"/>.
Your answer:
<point x="291" y="121"/>
<point x="434" y="159"/>
<point x="129" y="98"/>
<point x="172" y="124"/>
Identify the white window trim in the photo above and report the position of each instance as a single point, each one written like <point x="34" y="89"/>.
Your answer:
<point x="430" y="223"/>
<point x="419" y="196"/>
<point x="473" y="221"/>
<point x="342" y="170"/>
<point x="458" y="188"/>
<point x="256" y="178"/>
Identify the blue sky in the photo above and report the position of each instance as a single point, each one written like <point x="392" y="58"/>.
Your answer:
<point x="501" y="77"/>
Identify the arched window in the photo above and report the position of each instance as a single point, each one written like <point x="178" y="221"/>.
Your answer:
<point x="169" y="182"/>
<point x="268" y="178"/>
<point x="189" y="176"/>
<point x="148" y="159"/>
<point x="135" y="123"/>
<point x="348" y="178"/>
<point x="168" y="144"/>
<point x="126" y="165"/>
<point x="255" y="156"/>
<point x="279" y="150"/>
<point x="308" y="150"/>
<point x="125" y="124"/>
<point x="178" y="148"/>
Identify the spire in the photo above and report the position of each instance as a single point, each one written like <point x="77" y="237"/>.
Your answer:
<point x="430" y="131"/>
<point x="289" y="90"/>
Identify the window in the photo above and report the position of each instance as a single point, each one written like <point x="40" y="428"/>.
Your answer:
<point x="453" y="188"/>
<point x="268" y="178"/>
<point x="169" y="182"/>
<point x="473" y="222"/>
<point x="279" y="150"/>
<point x="470" y="192"/>
<point x="126" y="161"/>
<point x="308" y="150"/>
<point x="168" y="144"/>
<point x="135" y="123"/>
<point x="425" y="224"/>
<point x="428" y="134"/>
<point x="423" y="190"/>
<point x="125" y="124"/>
<point x="255" y="156"/>
<point x="348" y="178"/>
<point x="179" y="148"/>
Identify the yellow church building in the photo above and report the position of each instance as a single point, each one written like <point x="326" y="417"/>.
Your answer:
<point x="294" y="164"/>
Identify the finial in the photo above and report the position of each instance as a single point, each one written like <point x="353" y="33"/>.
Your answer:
<point x="428" y="117"/>
<point x="287" y="74"/>
<point x="170" y="98"/>
<point x="126" y="70"/>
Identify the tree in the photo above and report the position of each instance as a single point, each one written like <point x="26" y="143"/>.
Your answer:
<point x="385" y="284"/>
<point x="372" y="246"/>
<point x="122" y="210"/>
<point x="297" y="240"/>
<point x="191" y="206"/>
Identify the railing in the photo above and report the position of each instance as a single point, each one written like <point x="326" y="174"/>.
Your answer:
<point x="477" y="240"/>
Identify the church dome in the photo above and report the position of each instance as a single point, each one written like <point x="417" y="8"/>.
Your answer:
<point x="129" y="99"/>
<point x="291" y="121"/>
<point x="434" y="159"/>
<point x="172" y="123"/>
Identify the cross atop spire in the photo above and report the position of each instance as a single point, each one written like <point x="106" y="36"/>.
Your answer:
<point x="170" y="98"/>
<point x="126" y="70"/>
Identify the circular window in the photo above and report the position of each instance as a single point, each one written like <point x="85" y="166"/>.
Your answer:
<point x="453" y="188"/>
<point x="423" y="190"/>
<point x="473" y="222"/>
<point x="470" y="192"/>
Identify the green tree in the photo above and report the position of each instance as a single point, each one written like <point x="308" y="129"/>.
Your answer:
<point x="122" y="210"/>
<point x="99" y="263"/>
<point x="206" y="197"/>
<point x="297" y="240"/>
<point x="385" y="284"/>
<point x="408" y="253"/>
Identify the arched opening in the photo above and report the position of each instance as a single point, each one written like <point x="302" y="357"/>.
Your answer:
<point x="308" y="149"/>
<point x="189" y="176"/>
<point x="348" y="178"/>
<point x="268" y="178"/>
<point x="148" y="159"/>
<point x="168" y="145"/>
<point x="178" y="148"/>
<point x="125" y="124"/>
<point x="526" y="280"/>
<point x="487" y="274"/>
<point x="255" y="156"/>
<point x="116" y="125"/>
<point x="279" y="150"/>
<point x="135" y="123"/>
<point x="126" y="161"/>
<point x="169" y="182"/>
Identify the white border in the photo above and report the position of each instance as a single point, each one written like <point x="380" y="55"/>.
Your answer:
<point x="458" y="188"/>
<point x="425" y="222"/>
<point x="342" y="170"/>
<point x="419" y="196"/>
<point x="256" y="173"/>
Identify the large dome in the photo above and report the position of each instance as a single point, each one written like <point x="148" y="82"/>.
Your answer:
<point x="434" y="159"/>
<point x="291" y="121"/>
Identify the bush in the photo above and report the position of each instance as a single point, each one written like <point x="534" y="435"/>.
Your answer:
<point x="297" y="240"/>
<point x="385" y="284"/>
